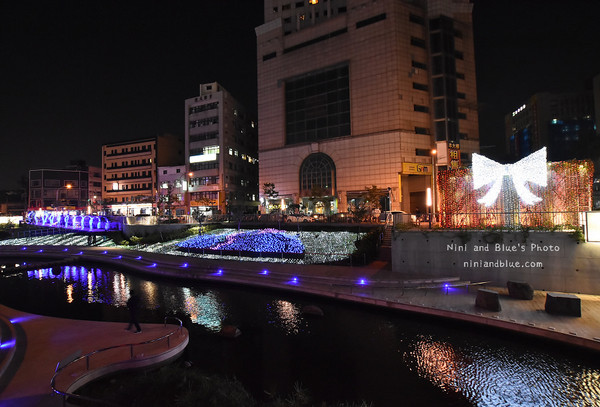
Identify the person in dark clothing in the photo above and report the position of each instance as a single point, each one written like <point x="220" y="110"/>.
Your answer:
<point x="133" y="303"/>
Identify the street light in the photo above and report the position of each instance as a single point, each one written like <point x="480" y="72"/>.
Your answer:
<point x="68" y="186"/>
<point x="187" y="198"/>
<point x="433" y="182"/>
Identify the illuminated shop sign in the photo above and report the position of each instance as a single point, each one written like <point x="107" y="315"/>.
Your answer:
<point x="416" y="169"/>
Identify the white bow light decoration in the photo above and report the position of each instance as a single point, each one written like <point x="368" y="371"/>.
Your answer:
<point x="530" y="169"/>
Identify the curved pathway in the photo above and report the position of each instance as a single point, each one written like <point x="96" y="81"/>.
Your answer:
<point x="41" y="342"/>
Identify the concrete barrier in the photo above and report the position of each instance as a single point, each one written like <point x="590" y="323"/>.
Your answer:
<point x="563" y="304"/>
<point x="488" y="299"/>
<point x="520" y="290"/>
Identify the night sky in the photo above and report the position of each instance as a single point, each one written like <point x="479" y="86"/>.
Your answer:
<point x="76" y="76"/>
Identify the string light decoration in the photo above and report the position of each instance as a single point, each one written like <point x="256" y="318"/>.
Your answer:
<point x="566" y="193"/>
<point x="264" y="242"/>
<point x="530" y="169"/>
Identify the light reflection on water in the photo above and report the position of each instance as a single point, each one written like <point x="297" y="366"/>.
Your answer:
<point x="285" y="315"/>
<point x="204" y="309"/>
<point x="468" y="369"/>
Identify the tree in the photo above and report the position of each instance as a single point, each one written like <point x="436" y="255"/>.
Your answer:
<point x="372" y="197"/>
<point x="371" y="200"/>
<point x="269" y="190"/>
<point x="166" y="201"/>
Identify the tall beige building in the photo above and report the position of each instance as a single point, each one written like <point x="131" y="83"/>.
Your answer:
<point x="221" y="153"/>
<point x="355" y="93"/>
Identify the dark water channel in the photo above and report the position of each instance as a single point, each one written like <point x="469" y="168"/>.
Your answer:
<point x="352" y="353"/>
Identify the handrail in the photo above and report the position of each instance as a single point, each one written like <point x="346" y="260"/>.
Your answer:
<point x="87" y="356"/>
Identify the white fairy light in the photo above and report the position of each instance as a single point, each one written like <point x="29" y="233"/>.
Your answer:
<point x="532" y="169"/>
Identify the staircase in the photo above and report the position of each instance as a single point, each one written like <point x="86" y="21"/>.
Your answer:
<point x="385" y="250"/>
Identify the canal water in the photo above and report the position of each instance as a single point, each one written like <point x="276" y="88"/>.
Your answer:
<point x="352" y="353"/>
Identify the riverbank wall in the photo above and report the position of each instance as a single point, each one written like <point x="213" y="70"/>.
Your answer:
<point x="548" y="261"/>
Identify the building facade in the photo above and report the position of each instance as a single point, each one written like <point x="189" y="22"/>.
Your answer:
<point x="129" y="173"/>
<point x="94" y="189"/>
<point x="221" y="153"/>
<point x="355" y="93"/>
<point x="562" y="122"/>
<point x="173" y="198"/>
<point x="51" y="189"/>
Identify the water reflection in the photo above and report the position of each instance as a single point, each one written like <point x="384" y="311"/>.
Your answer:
<point x="350" y="352"/>
<point x="498" y="377"/>
<point x="204" y="309"/>
<point x="285" y="315"/>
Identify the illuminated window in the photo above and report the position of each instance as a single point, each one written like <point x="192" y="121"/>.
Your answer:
<point x="317" y="170"/>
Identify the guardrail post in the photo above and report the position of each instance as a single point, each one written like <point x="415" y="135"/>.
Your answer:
<point x="87" y="362"/>
<point x="131" y="347"/>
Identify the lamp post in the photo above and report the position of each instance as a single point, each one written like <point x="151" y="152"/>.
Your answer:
<point x="433" y="182"/>
<point x="187" y="197"/>
<point x="68" y="186"/>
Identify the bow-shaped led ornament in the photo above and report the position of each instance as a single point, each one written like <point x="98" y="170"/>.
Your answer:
<point x="530" y="169"/>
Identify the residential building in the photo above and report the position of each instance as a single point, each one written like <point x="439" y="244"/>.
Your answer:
<point x="173" y="191"/>
<point x="356" y="93"/>
<point x="58" y="189"/>
<point x="221" y="153"/>
<point x="129" y="172"/>
<point x="561" y="122"/>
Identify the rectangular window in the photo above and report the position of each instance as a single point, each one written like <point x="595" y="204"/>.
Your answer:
<point x="299" y="4"/>
<point x="418" y="42"/>
<point x="413" y="18"/>
<point x="419" y="65"/>
<point x="460" y="95"/>
<point x="421" y="130"/>
<point x="420" y="86"/>
<point x="462" y="116"/>
<point x="317" y="105"/>
<point x="421" y="108"/>
<point x="422" y="152"/>
<point x="371" y="20"/>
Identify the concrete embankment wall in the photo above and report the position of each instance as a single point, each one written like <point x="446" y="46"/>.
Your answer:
<point x="551" y="261"/>
<point x="144" y="230"/>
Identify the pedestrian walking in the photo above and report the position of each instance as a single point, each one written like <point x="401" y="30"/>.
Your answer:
<point x="133" y="303"/>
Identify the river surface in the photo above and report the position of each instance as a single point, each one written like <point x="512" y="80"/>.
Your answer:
<point x="352" y="353"/>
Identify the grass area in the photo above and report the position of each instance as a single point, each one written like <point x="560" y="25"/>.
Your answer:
<point x="182" y="385"/>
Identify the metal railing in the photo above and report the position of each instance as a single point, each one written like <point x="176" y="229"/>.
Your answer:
<point x="76" y="357"/>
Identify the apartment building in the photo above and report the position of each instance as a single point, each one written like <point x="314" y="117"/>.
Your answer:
<point x="129" y="172"/>
<point x="221" y="153"/>
<point x="51" y="189"/>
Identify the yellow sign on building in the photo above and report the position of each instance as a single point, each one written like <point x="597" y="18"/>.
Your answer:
<point x="416" y="169"/>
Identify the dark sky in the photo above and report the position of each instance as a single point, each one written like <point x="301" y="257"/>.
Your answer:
<point x="75" y="76"/>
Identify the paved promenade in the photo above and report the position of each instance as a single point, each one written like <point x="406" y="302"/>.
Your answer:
<point x="373" y="285"/>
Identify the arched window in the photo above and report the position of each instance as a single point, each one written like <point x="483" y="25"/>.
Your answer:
<point x="317" y="170"/>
